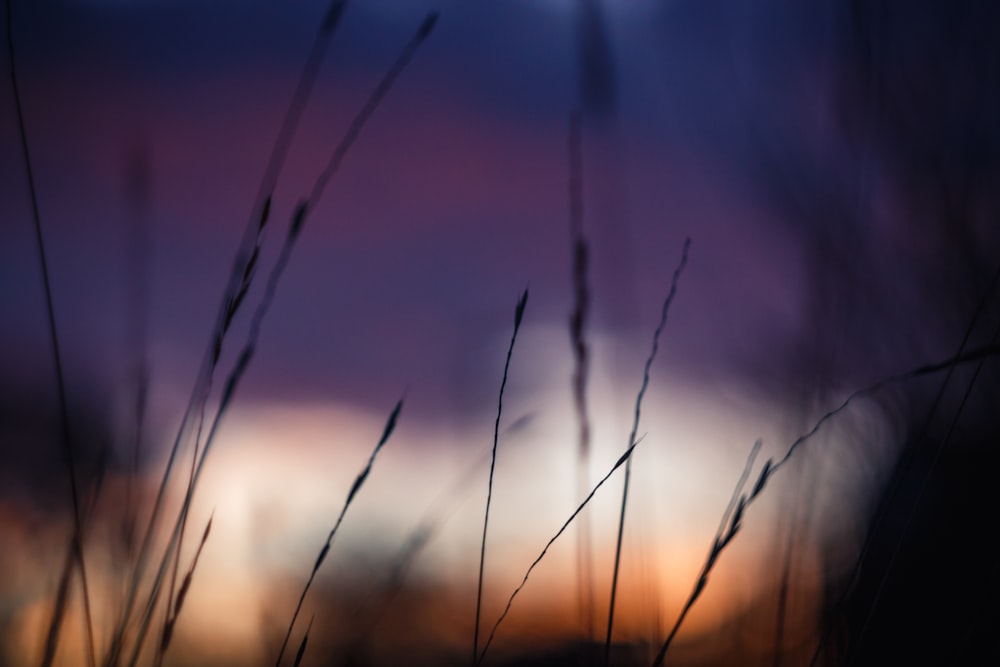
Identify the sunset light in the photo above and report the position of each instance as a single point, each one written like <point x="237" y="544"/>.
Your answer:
<point x="568" y="332"/>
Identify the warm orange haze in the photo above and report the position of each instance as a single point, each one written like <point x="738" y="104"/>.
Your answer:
<point x="281" y="472"/>
<point x="563" y="332"/>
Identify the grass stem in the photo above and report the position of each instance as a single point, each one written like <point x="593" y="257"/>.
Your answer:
<point x="581" y="366"/>
<point x="733" y="517"/>
<point x="635" y="427"/>
<point x="518" y="315"/>
<point x="562" y="529"/>
<point x="77" y="538"/>
<point x="358" y="482"/>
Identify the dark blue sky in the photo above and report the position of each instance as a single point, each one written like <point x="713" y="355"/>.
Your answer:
<point x="454" y="198"/>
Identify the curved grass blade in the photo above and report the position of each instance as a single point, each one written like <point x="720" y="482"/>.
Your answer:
<point x="235" y="290"/>
<point x="390" y="426"/>
<point x="294" y="230"/>
<point x="635" y="427"/>
<point x="305" y="641"/>
<point x="975" y="355"/>
<point x="67" y="440"/>
<point x="581" y="366"/>
<point x="518" y="315"/>
<point x="168" y="627"/>
<point x="728" y="527"/>
<point x="510" y="601"/>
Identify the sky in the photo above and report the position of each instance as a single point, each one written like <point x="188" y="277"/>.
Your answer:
<point x="833" y="166"/>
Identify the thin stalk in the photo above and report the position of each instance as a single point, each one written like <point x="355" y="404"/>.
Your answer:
<point x="788" y="565"/>
<point x="232" y="382"/>
<point x="173" y="614"/>
<point x="912" y="511"/>
<point x="885" y="502"/>
<point x="433" y="519"/>
<point x="581" y="366"/>
<point x="305" y="642"/>
<point x="769" y="469"/>
<point x="635" y="427"/>
<point x="371" y="104"/>
<point x="730" y="525"/>
<point x="294" y="230"/>
<point x="524" y="580"/>
<point x="67" y="439"/>
<point x="136" y="258"/>
<point x="358" y="482"/>
<point x="518" y="315"/>
<point x="231" y="296"/>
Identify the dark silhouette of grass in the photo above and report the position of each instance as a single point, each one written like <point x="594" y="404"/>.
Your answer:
<point x="232" y="382"/>
<point x="912" y="511"/>
<point x="798" y="522"/>
<point x="77" y="539"/>
<point x="234" y="292"/>
<point x="562" y="529"/>
<point x="246" y="279"/>
<point x="178" y="604"/>
<point x="425" y="531"/>
<point x="631" y="438"/>
<point x="242" y="278"/>
<point x="420" y="536"/>
<point x="734" y="517"/>
<point x="581" y="366"/>
<point x="390" y="426"/>
<point x="138" y="189"/>
<point x="518" y="316"/>
<point x="233" y="298"/>
<point x="371" y="104"/>
<point x="729" y="526"/>
<point x="974" y="355"/>
<point x="881" y="513"/>
<point x="305" y="642"/>
<point x="783" y="591"/>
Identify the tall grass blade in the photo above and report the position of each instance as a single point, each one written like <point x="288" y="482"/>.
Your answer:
<point x="734" y="523"/>
<point x="973" y="355"/>
<point x="305" y="641"/>
<point x="171" y="615"/>
<point x="390" y="426"/>
<point x="247" y="275"/>
<point x="371" y="104"/>
<point x="797" y="520"/>
<point x="635" y="427"/>
<point x="67" y="439"/>
<point x="581" y="366"/>
<point x="232" y="382"/>
<point x="518" y="315"/>
<point x="232" y="296"/>
<point x="435" y="517"/>
<point x="294" y="230"/>
<point x="59" y="606"/>
<point x="914" y="504"/>
<point x="728" y="527"/>
<point x="906" y="460"/>
<point x="137" y="258"/>
<point x="524" y="580"/>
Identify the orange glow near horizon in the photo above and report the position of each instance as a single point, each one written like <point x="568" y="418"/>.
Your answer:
<point x="280" y="474"/>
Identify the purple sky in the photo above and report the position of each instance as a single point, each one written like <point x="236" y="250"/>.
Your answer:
<point x="453" y="200"/>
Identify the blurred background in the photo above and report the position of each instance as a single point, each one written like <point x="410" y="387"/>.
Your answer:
<point x="835" y="165"/>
